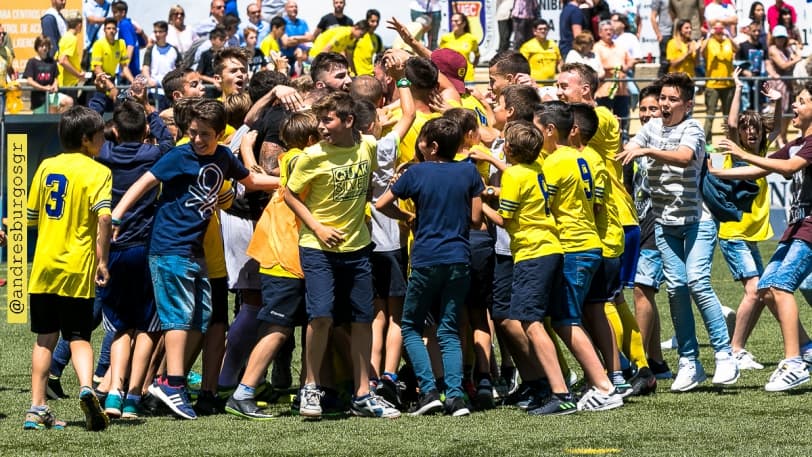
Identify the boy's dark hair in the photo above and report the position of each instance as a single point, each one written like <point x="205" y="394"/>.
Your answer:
<point x="366" y="87"/>
<point x="422" y="73"/>
<point x="373" y="12"/>
<point x="682" y="82"/>
<point x="130" y="122"/>
<point x="236" y="106"/>
<point x="539" y="22"/>
<point x="510" y="62"/>
<point x="73" y="21"/>
<point x="211" y="113"/>
<point x="223" y="55"/>
<point x="182" y="112"/>
<point x="587" y="74"/>
<point x="365" y="114"/>
<point x="160" y="25"/>
<point x="557" y="113"/>
<point x="463" y="117"/>
<point x="446" y="133"/>
<point x="263" y="82"/>
<point x="229" y="21"/>
<point x="277" y="22"/>
<point x="362" y="25"/>
<point x="523" y="99"/>
<point x="339" y="102"/>
<point x="173" y="80"/>
<point x="325" y="62"/>
<point x="623" y="20"/>
<point x="42" y="40"/>
<point x="76" y="124"/>
<point x="119" y="6"/>
<point x="219" y="31"/>
<point x="525" y="141"/>
<point x="652" y="90"/>
<point x="297" y="129"/>
<point x="585" y="117"/>
<point x="110" y="20"/>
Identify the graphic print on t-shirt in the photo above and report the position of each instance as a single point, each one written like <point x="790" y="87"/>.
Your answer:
<point x="351" y="181"/>
<point x="204" y="193"/>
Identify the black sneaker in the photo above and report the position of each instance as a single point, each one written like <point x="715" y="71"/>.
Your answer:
<point x="456" y="407"/>
<point x="208" y="404"/>
<point x="661" y="370"/>
<point x="484" y="395"/>
<point x="151" y="406"/>
<point x="389" y="391"/>
<point x="555" y="406"/>
<point x="54" y="388"/>
<point x="247" y="409"/>
<point x="644" y="382"/>
<point x="429" y="403"/>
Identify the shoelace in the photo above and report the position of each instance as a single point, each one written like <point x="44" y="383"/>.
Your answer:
<point x="312" y="396"/>
<point x="380" y="401"/>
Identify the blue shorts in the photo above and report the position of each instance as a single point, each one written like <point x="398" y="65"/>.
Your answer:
<point x="182" y="291"/>
<point x="579" y="269"/>
<point x="788" y="267"/>
<point x="606" y="282"/>
<point x="127" y="300"/>
<point x="283" y="301"/>
<point x="480" y="293"/>
<point x="389" y="273"/>
<point x="538" y="288"/>
<point x="338" y="285"/>
<point x="71" y="316"/>
<point x="743" y="258"/>
<point x="650" y="269"/>
<point x="631" y="252"/>
<point x="502" y="287"/>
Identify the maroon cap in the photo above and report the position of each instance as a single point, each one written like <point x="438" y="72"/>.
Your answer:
<point x="453" y="65"/>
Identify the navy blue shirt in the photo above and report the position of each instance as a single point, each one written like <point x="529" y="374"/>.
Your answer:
<point x="570" y="15"/>
<point x="188" y="198"/>
<point x="442" y="194"/>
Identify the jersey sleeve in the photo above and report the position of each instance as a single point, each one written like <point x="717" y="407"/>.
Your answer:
<point x="32" y="207"/>
<point x="102" y="195"/>
<point x="302" y="174"/>
<point x="510" y="195"/>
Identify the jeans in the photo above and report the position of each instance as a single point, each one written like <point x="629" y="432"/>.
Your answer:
<point x="505" y="30"/>
<point x="444" y="286"/>
<point x="711" y="97"/>
<point x="687" y="252"/>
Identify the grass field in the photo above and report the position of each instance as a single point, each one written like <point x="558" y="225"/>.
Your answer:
<point x="742" y="420"/>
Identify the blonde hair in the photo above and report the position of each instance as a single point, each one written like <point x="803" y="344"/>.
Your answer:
<point x="175" y="9"/>
<point x="297" y="129"/>
<point x="237" y="106"/>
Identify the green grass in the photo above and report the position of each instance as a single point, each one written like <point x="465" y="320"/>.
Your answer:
<point x="741" y="420"/>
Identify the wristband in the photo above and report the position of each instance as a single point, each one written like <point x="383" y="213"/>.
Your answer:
<point x="403" y="82"/>
<point x="115" y="222"/>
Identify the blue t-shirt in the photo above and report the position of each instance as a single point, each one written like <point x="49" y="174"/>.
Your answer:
<point x="570" y="15"/>
<point x="293" y="28"/>
<point x="188" y="198"/>
<point x="126" y="32"/>
<point x="442" y="194"/>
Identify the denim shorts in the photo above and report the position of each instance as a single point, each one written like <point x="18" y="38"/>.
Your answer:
<point x="579" y="269"/>
<point x="650" y="269"/>
<point x="538" y="288"/>
<point x="338" y="285"/>
<point x="606" y="282"/>
<point x="743" y="258"/>
<point x="788" y="267"/>
<point x="631" y="252"/>
<point x="282" y="301"/>
<point x="182" y="291"/>
<point x="502" y="287"/>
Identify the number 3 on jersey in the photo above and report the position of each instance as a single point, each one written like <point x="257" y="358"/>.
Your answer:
<point x="586" y="176"/>
<point x="56" y="185"/>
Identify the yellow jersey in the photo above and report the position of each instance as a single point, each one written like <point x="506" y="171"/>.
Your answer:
<point x="337" y="180"/>
<point x="365" y="50"/>
<point x="571" y="186"/>
<point x="268" y="44"/>
<point x="69" y="46"/>
<point x="523" y="204"/>
<point x="719" y="63"/>
<point x="466" y="44"/>
<point x="339" y="39"/>
<point x="675" y="49"/>
<point x="406" y="151"/>
<point x="543" y="58"/>
<point x="755" y="225"/>
<point x="68" y="194"/>
<point x="606" y="143"/>
<point x="607" y="219"/>
<point x="282" y="250"/>
<point x="108" y="55"/>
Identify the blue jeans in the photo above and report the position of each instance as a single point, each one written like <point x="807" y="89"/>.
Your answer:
<point x="445" y="286"/>
<point x="687" y="252"/>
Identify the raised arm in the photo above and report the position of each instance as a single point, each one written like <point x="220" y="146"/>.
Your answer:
<point x="146" y="182"/>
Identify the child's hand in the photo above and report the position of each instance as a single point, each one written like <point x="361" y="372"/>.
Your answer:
<point x="736" y="72"/>
<point x="729" y="147"/>
<point x="329" y="236"/>
<point x="479" y="155"/>
<point x="437" y="103"/>
<point x="102" y="275"/>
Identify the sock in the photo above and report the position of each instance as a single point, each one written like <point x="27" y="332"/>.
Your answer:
<point x="632" y="340"/>
<point x="115" y="393"/>
<point x="617" y="378"/>
<point x="361" y="398"/>
<point x="176" y="381"/>
<point x="243" y="392"/>
<point x="564" y="397"/>
<point x="240" y="340"/>
<point x="134" y="398"/>
<point x="479" y="377"/>
<point x="392" y="376"/>
<point x="86" y="389"/>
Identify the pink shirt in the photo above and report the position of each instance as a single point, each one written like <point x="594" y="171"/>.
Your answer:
<point x="772" y="15"/>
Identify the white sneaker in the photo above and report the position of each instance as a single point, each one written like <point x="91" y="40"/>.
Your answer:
<point x="689" y="376"/>
<point x="746" y="361"/>
<point x="595" y="400"/>
<point x="789" y="374"/>
<point x="310" y="398"/>
<point x="730" y="319"/>
<point x="727" y="370"/>
<point x="668" y="345"/>
<point x="806" y="355"/>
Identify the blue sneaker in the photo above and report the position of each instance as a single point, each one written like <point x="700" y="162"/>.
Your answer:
<point x="113" y="404"/>
<point x="95" y="419"/>
<point x="131" y="409"/>
<point x="41" y="418"/>
<point x="194" y="380"/>
<point x="176" y="398"/>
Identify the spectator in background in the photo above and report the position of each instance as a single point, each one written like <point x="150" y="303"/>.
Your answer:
<point x="179" y="35"/>
<point x="542" y="53"/>
<point x="271" y="8"/>
<point x="630" y="9"/>
<point x="724" y="12"/>
<point x="231" y="8"/>
<point x="297" y="32"/>
<point x="623" y="37"/>
<point x="367" y="46"/>
<point x="53" y="23"/>
<point x="133" y="36"/>
<point x="759" y="15"/>
<point x="599" y="11"/>
<point x="663" y="28"/>
<point x="751" y="52"/>
<point x="6" y="51"/>
<point x="430" y="8"/>
<point x="461" y="40"/>
<point x="232" y="25"/>
<point x="159" y="59"/>
<point x="216" y="15"/>
<point x="110" y="54"/>
<point x="581" y="52"/>
<point x="335" y="19"/>
<point x="504" y="23"/>
<point x="781" y="62"/>
<point x="719" y="50"/>
<point x="41" y="74"/>
<point x="256" y="58"/>
<point x="681" y="51"/>
<point x="95" y="11"/>
<point x="617" y="61"/>
<point x="217" y="41"/>
<point x="254" y="20"/>
<point x="785" y="18"/>
<point x="571" y="23"/>
<point x="690" y="10"/>
<point x="273" y="41"/>
<point x="522" y="15"/>
<point x="774" y="13"/>
<point x="69" y="57"/>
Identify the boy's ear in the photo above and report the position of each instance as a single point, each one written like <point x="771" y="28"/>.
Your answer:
<point x="218" y="78"/>
<point x="349" y="121"/>
<point x="114" y="129"/>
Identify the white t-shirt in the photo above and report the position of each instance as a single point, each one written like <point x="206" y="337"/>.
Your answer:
<point x="385" y="230"/>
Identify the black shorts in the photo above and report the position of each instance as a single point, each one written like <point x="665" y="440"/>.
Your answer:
<point x="283" y="301"/>
<point x="219" y="301"/>
<point x="606" y="282"/>
<point x="389" y="273"/>
<point x="502" y="287"/>
<point x="73" y="317"/>
<point x="538" y="288"/>
<point x="480" y="294"/>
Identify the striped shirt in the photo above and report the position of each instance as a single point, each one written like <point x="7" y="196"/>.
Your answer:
<point x="675" y="196"/>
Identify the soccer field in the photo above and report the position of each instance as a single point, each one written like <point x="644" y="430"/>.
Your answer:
<point x="741" y="420"/>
